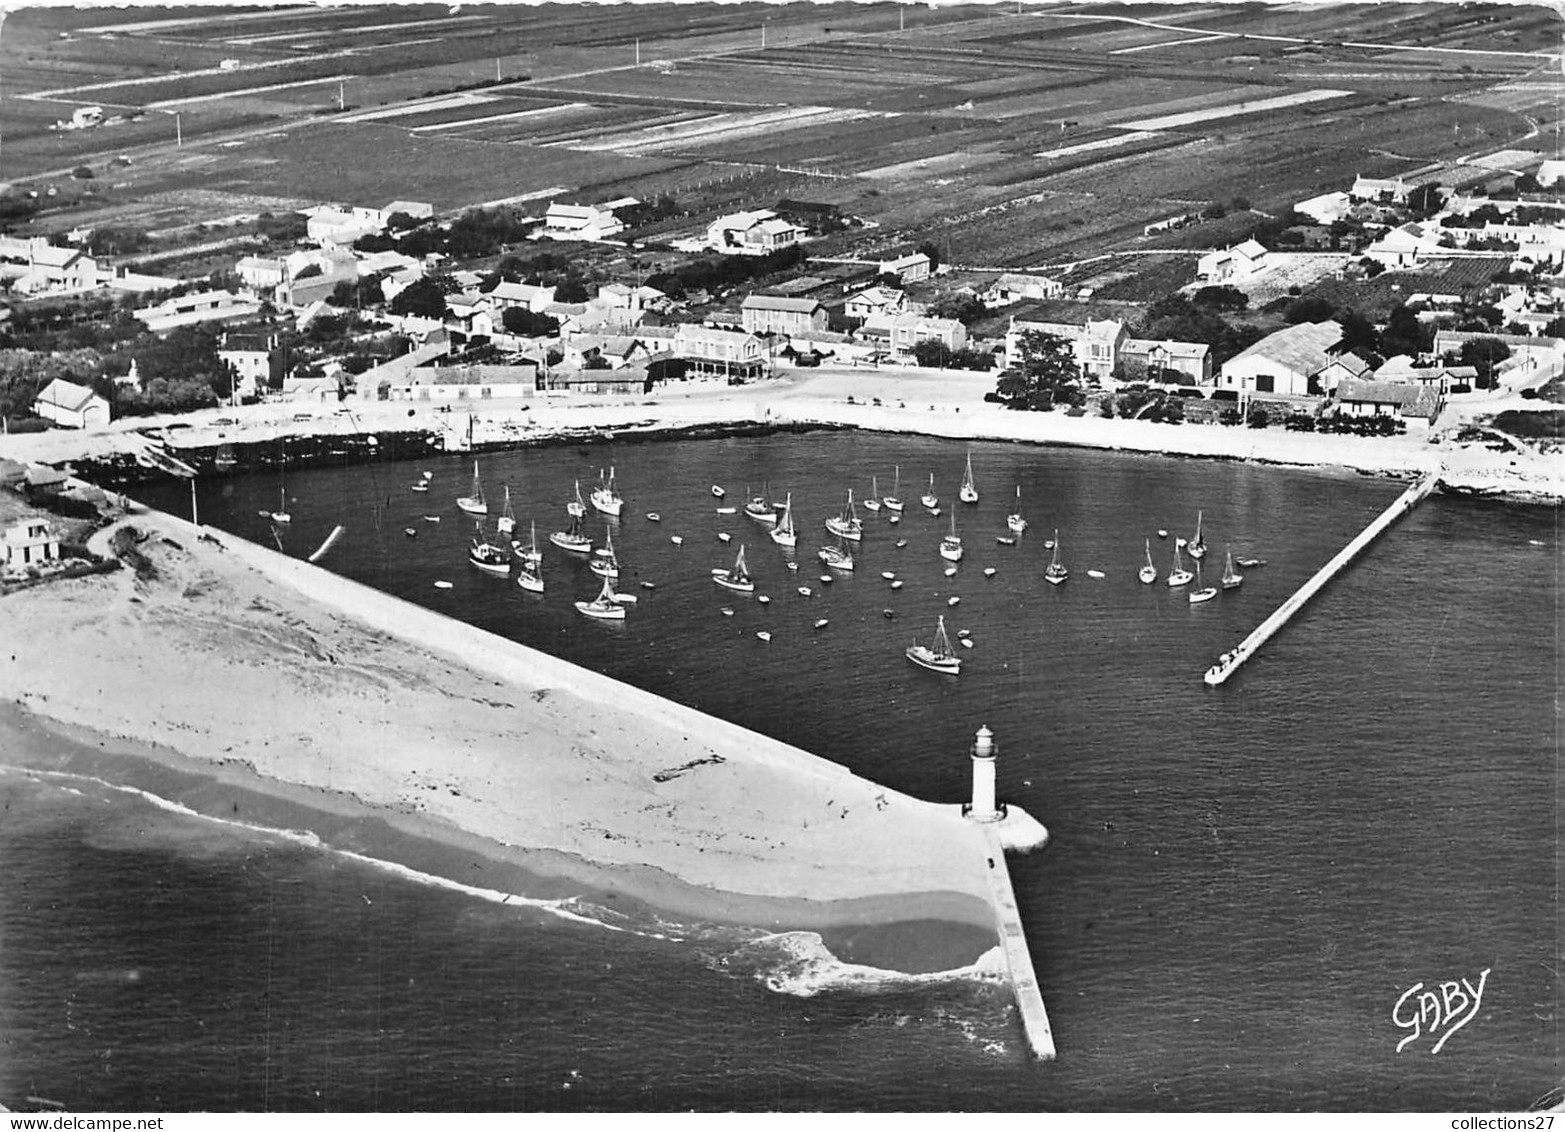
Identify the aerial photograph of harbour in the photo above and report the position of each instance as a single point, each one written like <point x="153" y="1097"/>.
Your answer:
<point x="798" y="557"/>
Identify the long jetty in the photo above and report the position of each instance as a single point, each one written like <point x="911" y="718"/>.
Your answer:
<point x="1229" y="663"/>
<point x="1018" y="959"/>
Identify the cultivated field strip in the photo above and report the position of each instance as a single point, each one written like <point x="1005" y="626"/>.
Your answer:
<point x="1257" y="106"/>
<point x="716" y="128"/>
<point x="410" y="109"/>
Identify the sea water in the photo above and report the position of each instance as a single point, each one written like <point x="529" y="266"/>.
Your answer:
<point x="1250" y="893"/>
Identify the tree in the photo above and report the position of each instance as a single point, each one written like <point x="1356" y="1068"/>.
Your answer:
<point x="931" y="353"/>
<point x="1484" y="355"/>
<point x="1358" y="333"/>
<point x="523" y="322"/>
<point x="1309" y="308"/>
<point x="1045" y="373"/>
<point x="423" y="298"/>
<point x="1224" y="297"/>
<point x="571" y="290"/>
<point x="928" y="248"/>
<point x="966" y="309"/>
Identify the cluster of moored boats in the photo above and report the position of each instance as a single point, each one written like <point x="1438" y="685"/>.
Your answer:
<point x="503" y="552"/>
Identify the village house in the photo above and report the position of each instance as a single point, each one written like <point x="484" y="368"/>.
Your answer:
<point x="459" y="382"/>
<point x="35" y="266"/>
<point x="709" y="352"/>
<point x="257" y="361"/>
<point x="908" y="268"/>
<point x="198" y="306"/>
<point x="1362" y="398"/>
<point x="1012" y="287"/>
<point x="634" y="300"/>
<point x="70" y="405"/>
<point x="1230" y="264"/>
<point x="1441" y="377"/>
<point x="908" y="330"/>
<point x="1183" y="363"/>
<point x="29" y="543"/>
<point x="752" y="233"/>
<point x="608" y="351"/>
<point x="580" y="222"/>
<point x="414" y="209"/>
<point x="875" y="301"/>
<point x="332" y="224"/>
<point x="630" y="381"/>
<point x="1098" y="347"/>
<point x="1346" y="366"/>
<point x="1377" y="191"/>
<point x="1326" y="208"/>
<point x="526" y="296"/>
<point x="1283" y="362"/>
<point x="779" y="314"/>
<point x="1405" y="246"/>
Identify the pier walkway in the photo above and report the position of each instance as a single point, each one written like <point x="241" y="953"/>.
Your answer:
<point x="1230" y="661"/>
<point x="1029" y="999"/>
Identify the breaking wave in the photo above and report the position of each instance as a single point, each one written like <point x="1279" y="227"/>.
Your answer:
<point x="800" y="964"/>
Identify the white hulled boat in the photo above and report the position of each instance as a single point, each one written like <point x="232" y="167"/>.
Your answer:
<point x="837" y="557"/>
<point x="1232" y="579"/>
<point x="847" y="525"/>
<point x="530" y="555"/>
<point x="951" y="545"/>
<point x="736" y="577"/>
<point x="968" y="492"/>
<point x="783" y="533"/>
<point x="1014" y="520"/>
<point x="938" y="656"/>
<point x="1178" y="576"/>
<point x="473" y="503"/>
<point x="605" y="497"/>
<point x="893" y="501"/>
<point x="930" y="499"/>
<point x="489" y="557"/>
<point x="506" y="523"/>
<point x="604" y="563"/>
<point x="1149" y="572"/>
<point x="604" y="606"/>
<point x="872" y="502"/>
<point x="1056" y="573"/>
<point x="761" y="508"/>
<point x="573" y="538"/>
<point x="1197" y="545"/>
<point x="1201" y="592"/>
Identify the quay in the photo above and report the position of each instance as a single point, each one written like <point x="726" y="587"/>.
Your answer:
<point x="1018" y="959"/>
<point x="1229" y="663"/>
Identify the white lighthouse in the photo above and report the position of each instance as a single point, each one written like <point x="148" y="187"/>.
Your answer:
<point x="982" y="807"/>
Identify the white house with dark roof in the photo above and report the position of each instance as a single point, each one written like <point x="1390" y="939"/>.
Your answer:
<point x="1283" y="362"/>
<point x="35" y="266"/>
<point x="779" y="314"/>
<point x="908" y="268"/>
<point x="1405" y="246"/>
<point x="198" y="306"/>
<point x="527" y="296"/>
<point x="1014" y="287"/>
<point x="1368" y="398"/>
<point x="1378" y="190"/>
<point x="874" y="301"/>
<point x="71" y="405"/>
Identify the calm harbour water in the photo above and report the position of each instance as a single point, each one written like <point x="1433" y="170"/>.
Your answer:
<point x="1242" y="884"/>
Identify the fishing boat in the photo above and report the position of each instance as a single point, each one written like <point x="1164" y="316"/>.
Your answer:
<point x="530" y="555"/>
<point x="1014" y="520"/>
<point x="1197" y="545"/>
<point x="847" y="525"/>
<point x="893" y="502"/>
<point x="1201" y="592"/>
<point x="1056" y="573"/>
<point x="761" y="509"/>
<point x="530" y="577"/>
<point x="951" y="545"/>
<point x="473" y="502"/>
<point x="930" y="499"/>
<point x="872" y="502"/>
<point x="1232" y="579"/>
<point x="604" y="563"/>
<point x="837" y="557"/>
<point x="604" y="497"/>
<point x="736" y="577"/>
<point x="603" y="607"/>
<point x="938" y="655"/>
<point x="968" y="493"/>
<point x="489" y="557"/>
<point x="1178" y="576"/>
<point x="783" y="533"/>
<point x="506" y="523"/>
<point x="1148" y="572"/>
<point x="573" y="538"/>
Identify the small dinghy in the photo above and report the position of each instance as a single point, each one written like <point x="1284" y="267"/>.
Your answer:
<point x="649" y="585"/>
<point x="431" y="518"/>
<point x="625" y="599"/>
<point x="966" y="644"/>
<point x="1162" y="533"/>
<point x="888" y="575"/>
<point x="901" y="542"/>
<point x="822" y="623"/>
<point x="950" y="571"/>
<point x="1004" y="541"/>
<point x="964" y="633"/>
<point x="654" y="517"/>
<point x="676" y="540"/>
<point x="888" y="614"/>
<point x="411" y="532"/>
<point x="442" y="585"/>
<point x="793" y="565"/>
<point x="727" y="611"/>
<point x="953" y="600"/>
<point x="764" y="600"/>
<point x="727" y="510"/>
<point x="805" y="591"/>
<point x="1094" y="573"/>
<point x="764" y="635"/>
<point x="825" y="579"/>
<point x="724" y="536"/>
<point x="988" y="571"/>
<point x="897" y="585"/>
<point x="718" y="491"/>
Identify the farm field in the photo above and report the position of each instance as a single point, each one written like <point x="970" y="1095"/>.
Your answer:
<point x="1010" y="137"/>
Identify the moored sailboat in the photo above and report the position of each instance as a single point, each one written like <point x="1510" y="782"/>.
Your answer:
<point x="1149" y="571"/>
<point x="1056" y="572"/>
<point x="930" y="499"/>
<point x="1014" y="520"/>
<point x="1178" y="576"/>
<point x="530" y="555"/>
<point x="893" y="501"/>
<point x="604" y="562"/>
<point x="1232" y="579"/>
<point x="968" y="492"/>
<point x="1197" y="545"/>
<point x="473" y="503"/>
<point x="837" y="557"/>
<point x="938" y="655"/>
<point x="573" y="538"/>
<point x="872" y="501"/>
<point x="951" y="545"/>
<point x="783" y="533"/>
<point x="1201" y="592"/>
<point x="604" y="606"/>
<point x="605" y="497"/>
<point x="506" y="523"/>
<point x="847" y="525"/>
<point x="736" y="577"/>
